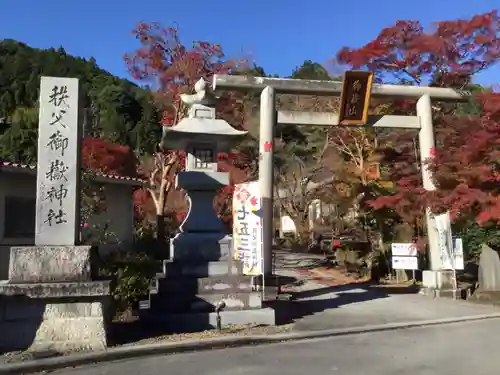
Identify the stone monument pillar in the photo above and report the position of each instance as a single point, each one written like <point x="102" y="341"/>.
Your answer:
<point x="50" y="300"/>
<point x="201" y="272"/>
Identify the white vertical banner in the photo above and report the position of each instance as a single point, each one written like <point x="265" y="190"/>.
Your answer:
<point x="447" y="246"/>
<point x="247" y="227"/>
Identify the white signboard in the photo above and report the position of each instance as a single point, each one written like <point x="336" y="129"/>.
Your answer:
<point x="404" y="263"/>
<point x="247" y="227"/>
<point x="404" y="249"/>
<point x="58" y="168"/>
<point x="443" y="226"/>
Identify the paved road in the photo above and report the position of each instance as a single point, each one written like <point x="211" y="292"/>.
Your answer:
<point x="353" y="306"/>
<point x="455" y="349"/>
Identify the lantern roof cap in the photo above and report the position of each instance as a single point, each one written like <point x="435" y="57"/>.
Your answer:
<point x="200" y="126"/>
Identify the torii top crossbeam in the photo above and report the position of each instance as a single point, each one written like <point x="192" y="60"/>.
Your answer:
<point x="333" y="88"/>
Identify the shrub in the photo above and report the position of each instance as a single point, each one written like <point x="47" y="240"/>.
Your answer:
<point x="131" y="273"/>
<point x="474" y="235"/>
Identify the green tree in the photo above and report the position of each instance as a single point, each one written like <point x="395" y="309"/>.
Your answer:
<point x="114" y="109"/>
<point x="18" y="140"/>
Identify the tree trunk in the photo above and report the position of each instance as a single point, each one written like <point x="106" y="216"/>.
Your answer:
<point x="303" y="234"/>
<point x="376" y="243"/>
<point x="161" y="235"/>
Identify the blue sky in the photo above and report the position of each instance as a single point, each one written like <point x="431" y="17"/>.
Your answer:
<point x="279" y="35"/>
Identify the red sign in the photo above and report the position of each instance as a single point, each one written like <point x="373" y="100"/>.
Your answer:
<point x="268" y="146"/>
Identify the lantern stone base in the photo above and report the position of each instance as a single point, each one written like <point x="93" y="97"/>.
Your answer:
<point x="186" y="294"/>
<point x="50" y="301"/>
<point x="195" y="322"/>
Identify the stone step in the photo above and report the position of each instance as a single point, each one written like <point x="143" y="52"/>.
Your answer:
<point x="206" y="285"/>
<point x="180" y="303"/>
<point x="200" y="246"/>
<point x="201" y="321"/>
<point x="207" y="269"/>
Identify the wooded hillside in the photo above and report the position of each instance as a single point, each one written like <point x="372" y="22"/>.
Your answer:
<point x="115" y="109"/>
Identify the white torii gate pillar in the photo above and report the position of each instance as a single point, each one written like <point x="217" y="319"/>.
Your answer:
<point x="266" y="172"/>
<point x="427" y="144"/>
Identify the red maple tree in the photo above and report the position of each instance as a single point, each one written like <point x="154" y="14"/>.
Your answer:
<point x="172" y="68"/>
<point x="449" y="54"/>
<point x="108" y="158"/>
<point x="102" y="158"/>
<point x="467" y="169"/>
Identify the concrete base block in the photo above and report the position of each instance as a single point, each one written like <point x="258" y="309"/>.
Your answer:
<point x="50" y="301"/>
<point x="53" y="334"/>
<point x="461" y="293"/>
<point x="40" y="324"/>
<point x="192" y="322"/>
<point x="441" y="279"/>
<point x="39" y="264"/>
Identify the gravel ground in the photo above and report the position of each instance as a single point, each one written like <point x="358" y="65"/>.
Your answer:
<point x="226" y="331"/>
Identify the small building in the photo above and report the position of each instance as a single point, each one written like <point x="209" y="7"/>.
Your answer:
<point x="18" y="205"/>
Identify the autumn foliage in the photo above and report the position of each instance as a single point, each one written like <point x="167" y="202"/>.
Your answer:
<point x="465" y="162"/>
<point x="105" y="157"/>
<point x="447" y="55"/>
<point x="467" y="169"/>
<point x="172" y="68"/>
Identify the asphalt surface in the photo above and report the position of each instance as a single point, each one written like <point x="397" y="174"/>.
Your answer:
<point x="354" y="306"/>
<point x="453" y="349"/>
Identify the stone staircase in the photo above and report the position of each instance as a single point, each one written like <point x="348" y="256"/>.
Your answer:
<point x="185" y="295"/>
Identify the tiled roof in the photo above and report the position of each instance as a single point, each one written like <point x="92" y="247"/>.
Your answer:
<point x="111" y="178"/>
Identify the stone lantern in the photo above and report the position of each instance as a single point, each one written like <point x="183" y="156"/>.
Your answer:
<point x="202" y="235"/>
<point x="202" y="286"/>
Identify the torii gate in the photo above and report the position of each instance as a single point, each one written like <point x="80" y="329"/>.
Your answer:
<point x="269" y="117"/>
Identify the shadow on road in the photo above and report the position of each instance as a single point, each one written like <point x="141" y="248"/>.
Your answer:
<point x="310" y="302"/>
<point x="277" y="284"/>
